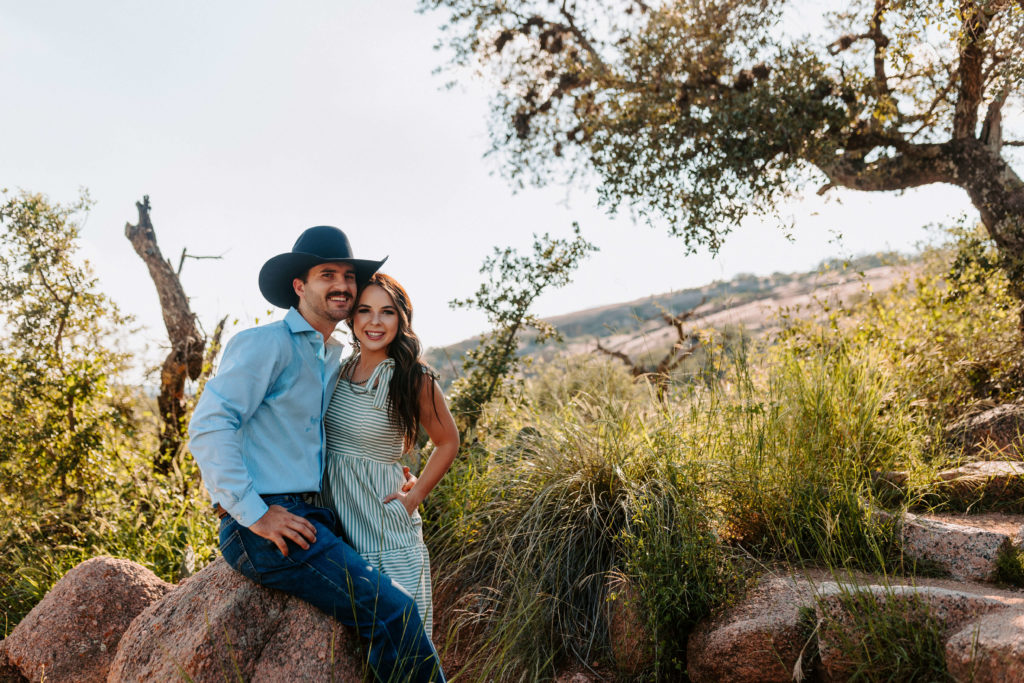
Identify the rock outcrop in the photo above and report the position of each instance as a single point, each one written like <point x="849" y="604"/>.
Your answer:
<point x="628" y="635"/>
<point x="996" y="431"/>
<point x="759" y="639"/>
<point x="951" y="608"/>
<point x="218" y="625"/>
<point x="962" y="551"/>
<point x="989" y="650"/>
<point x="73" y="633"/>
<point x="998" y="482"/>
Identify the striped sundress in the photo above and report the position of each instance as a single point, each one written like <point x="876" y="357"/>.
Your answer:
<point x="362" y="468"/>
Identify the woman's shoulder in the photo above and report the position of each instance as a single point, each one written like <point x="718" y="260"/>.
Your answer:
<point x="429" y="371"/>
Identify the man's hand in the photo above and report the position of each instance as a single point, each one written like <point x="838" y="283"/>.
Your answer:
<point x="280" y="526"/>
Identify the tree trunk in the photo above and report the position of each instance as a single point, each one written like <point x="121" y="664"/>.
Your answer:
<point x="185" y="359"/>
<point x="998" y="194"/>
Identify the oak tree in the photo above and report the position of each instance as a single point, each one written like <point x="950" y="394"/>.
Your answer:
<point x="699" y="113"/>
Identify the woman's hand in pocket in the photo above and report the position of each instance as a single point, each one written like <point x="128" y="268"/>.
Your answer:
<point x="410" y="500"/>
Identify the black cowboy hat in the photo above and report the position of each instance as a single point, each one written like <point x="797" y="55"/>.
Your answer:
<point x="321" y="244"/>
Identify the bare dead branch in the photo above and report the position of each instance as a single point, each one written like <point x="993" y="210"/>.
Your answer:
<point x="185" y="255"/>
<point x="212" y="349"/>
<point x="635" y="369"/>
<point x="185" y="359"/>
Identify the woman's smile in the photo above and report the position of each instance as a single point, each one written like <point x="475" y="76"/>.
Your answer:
<point x="375" y="320"/>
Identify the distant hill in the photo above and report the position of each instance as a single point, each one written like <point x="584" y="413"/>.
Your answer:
<point x="748" y="301"/>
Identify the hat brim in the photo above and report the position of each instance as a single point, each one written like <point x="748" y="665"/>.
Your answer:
<point x="278" y="273"/>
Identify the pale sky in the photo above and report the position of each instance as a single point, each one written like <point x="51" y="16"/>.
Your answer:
<point x="247" y="122"/>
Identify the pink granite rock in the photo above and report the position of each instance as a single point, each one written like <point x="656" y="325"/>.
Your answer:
<point x="72" y="634"/>
<point x="996" y="430"/>
<point x="965" y="552"/>
<point x="219" y="625"/>
<point x="760" y="639"/>
<point x="953" y="609"/>
<point x="628" y="634"/>
<point x="989" y="650"/>
<point x="308" y="646"/>
<point x="8" y="672"/>
<point x="997" y="480"/>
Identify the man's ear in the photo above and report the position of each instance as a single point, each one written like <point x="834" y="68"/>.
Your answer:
<point x="299" y="286"/>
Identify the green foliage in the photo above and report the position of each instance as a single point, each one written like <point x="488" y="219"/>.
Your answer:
<point x="163" y="523"/>
<point x="945" y="334"/>
<point x="75" y="444"/>
<point x="798" y="456"/>
<point x="513" y="283"/>
<point x="775" y="455"/>
<point x="1010" y="566"/>
<point x="592" y="494"/>
<point x="892" y="637"/>
<point x="696" y="114"/>
<point x="57" y="398"/>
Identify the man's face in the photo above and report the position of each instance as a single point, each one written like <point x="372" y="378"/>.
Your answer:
<point x="327" y="293"/>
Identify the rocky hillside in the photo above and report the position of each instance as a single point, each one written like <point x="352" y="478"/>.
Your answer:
<point x="753" y="303"/>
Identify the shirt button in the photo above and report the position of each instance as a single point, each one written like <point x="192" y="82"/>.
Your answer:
<point x="312" y="420"/>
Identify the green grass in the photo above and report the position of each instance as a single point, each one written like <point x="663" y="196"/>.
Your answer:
<point x="893" y="638"/>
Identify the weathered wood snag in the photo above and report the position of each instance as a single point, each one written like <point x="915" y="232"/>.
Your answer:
<point x="185" y="359"/>
<point x="659" y="375"/>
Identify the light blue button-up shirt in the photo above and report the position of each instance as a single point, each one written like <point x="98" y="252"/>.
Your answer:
<point x="258" y="426"/>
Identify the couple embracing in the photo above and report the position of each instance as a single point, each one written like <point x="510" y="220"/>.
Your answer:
<point x="300" y="451"/>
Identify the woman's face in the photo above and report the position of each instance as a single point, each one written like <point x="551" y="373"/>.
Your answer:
<point x="375" y="320"/>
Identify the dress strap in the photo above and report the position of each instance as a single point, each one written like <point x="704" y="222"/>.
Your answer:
<point x="380" y="382"/>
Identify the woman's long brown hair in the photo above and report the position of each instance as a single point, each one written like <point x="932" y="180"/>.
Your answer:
<point x="403" y="394"/>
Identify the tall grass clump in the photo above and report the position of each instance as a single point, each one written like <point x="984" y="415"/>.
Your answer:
<point x="791" y="437"/>
<point x="591" y="495"/>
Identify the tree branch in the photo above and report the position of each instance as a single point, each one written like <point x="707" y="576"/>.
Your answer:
<point x="185" y="255"/>
<point x="185" y="358"/>
<point x="992" y="130"/>
<point x="637" y="371"/>
<point x="881" y="42"/>
<point x="919" y="165"/>
<point x="969" y="92"/>
<point x="584" y="41"/>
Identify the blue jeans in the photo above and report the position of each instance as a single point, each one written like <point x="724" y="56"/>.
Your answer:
<point x="333" y="577"/>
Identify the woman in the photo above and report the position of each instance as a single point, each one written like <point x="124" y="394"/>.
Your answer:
<point x="383" y="395"/>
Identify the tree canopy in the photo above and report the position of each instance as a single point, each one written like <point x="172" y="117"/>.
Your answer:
<point x="699" y="113"/>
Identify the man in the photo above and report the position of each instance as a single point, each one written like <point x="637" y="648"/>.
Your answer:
<point x="257" y="434"/>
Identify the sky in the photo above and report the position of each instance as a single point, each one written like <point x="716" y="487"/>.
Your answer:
<point x="247" y="122"/>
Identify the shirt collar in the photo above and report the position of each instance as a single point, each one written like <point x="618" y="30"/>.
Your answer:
<point x="298" y="325"/>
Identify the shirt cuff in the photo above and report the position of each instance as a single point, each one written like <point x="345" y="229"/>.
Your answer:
<point x="249" y="509"/>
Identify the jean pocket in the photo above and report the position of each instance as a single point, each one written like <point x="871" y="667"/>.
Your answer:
<point x="235" y="554"/>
